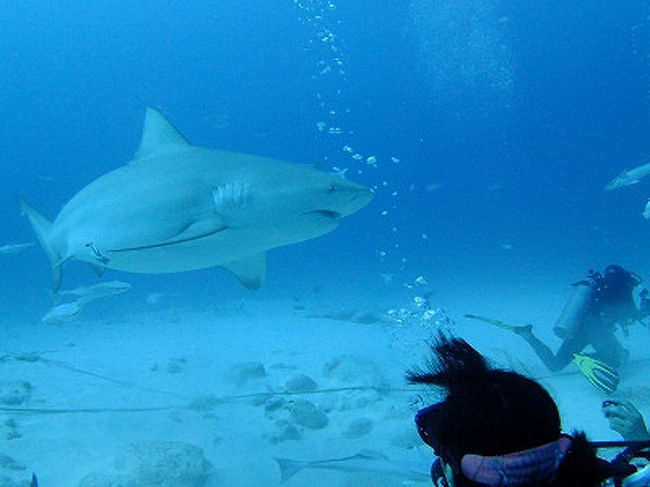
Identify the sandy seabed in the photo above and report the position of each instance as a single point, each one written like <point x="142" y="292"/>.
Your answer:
<point x="174" y="396"/>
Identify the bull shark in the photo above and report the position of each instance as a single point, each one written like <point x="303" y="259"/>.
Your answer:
<point x="176" y="207"/>
<point x="629" y="177"/>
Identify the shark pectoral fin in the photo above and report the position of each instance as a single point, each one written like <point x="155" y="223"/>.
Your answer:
<point x="200" y="228"/>
<point x="250" y="271"/>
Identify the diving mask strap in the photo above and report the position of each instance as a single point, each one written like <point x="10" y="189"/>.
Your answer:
<point x="524" y="467"/>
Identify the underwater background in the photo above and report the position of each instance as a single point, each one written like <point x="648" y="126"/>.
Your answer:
<point x="488" y="131"/>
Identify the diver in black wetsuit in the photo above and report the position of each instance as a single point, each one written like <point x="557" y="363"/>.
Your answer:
<point x="598" y="304"/>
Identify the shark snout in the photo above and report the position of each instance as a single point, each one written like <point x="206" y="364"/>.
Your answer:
<point x="350" y="199"/>
<point x="342" y="201"/>
<point x="358" y="198"/>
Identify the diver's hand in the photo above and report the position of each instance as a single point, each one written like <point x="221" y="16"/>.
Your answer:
<point x="626" y="420"/>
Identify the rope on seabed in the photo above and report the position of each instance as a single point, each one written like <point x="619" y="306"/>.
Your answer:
<point x="217" y="400"/>
<point x="37" y="357"/>
<point x="82" y="410"/>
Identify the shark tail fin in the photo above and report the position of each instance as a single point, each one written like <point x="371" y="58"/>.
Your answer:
<point x="288" y="468"/>
<point x="41" y="227"/>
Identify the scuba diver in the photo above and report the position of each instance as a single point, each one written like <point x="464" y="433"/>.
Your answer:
<point x="498" y="428"/>
<point x="597" y="305"/>
<point x="590" y="316"/>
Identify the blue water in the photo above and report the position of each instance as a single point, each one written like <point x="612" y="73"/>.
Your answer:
<point x="495" y="127"/>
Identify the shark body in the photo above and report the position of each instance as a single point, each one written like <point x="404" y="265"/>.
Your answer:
<point x="178" y="207"/>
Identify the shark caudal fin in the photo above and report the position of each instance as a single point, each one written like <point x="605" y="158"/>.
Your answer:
<point x="41" y="227"/>
<point x="288" y="468"/>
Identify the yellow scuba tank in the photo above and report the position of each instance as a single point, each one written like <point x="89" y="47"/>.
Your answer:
<point x="575" y="309"/>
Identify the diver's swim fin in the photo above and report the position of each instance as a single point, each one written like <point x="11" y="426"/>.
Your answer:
<point x="602" y="376"/>
<point x="501" y="324"/>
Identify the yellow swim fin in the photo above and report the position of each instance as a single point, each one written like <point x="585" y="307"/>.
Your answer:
<point x="602" y="376"/>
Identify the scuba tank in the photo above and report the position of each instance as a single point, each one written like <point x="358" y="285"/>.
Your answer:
<point x="576" y="308"/>
<point x="608" y="295"/>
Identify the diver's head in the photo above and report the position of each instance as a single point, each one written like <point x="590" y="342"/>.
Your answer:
<point x="487" y="413"/>
<point x="617" y="276"/>
<point x="613" y="300"/>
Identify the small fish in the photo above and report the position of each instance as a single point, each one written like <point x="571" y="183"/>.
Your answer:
<point x="15" y="248"/>
<point x="362" y="462"/>
<point x="96" y="291"/>
<point x="629" y="177"/>
<point x="433" y="187"/>
<point x="62" y="313"/>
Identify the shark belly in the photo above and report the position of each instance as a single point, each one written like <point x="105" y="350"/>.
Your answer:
<point x="217" y="249"/>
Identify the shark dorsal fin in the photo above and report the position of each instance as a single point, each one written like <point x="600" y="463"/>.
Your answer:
<point x="158" y="135"/>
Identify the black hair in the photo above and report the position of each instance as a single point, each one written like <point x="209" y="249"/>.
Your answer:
<point x="489" y="411"/>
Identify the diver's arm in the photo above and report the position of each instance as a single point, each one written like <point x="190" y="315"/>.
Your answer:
<point x="626" y="420"/>
<point x="644" y="306"/>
